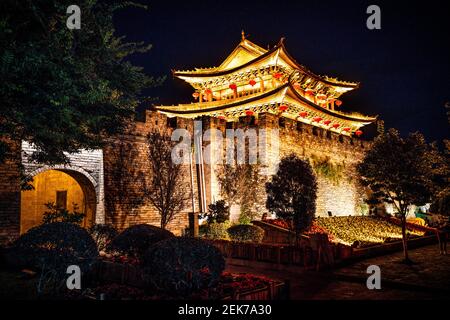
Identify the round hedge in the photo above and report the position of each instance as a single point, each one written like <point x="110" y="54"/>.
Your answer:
<point x="183" y="265"/>
<point x="135" y="240"/>
<point x="103" y="234"/>
<point x="54" y="246"/>
<point x="217" y="231"/>
<point x="246" y="233"/>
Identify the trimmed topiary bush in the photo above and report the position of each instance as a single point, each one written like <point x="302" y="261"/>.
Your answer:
<point x="56" y="244"/>
<point x="217" y="231"/>
<point x="103" y="234"/>
<point x="135" y="240"/>
<point x="246" y="233"/>
<point x="51" y="248"/>
<point x="183" y="265"/>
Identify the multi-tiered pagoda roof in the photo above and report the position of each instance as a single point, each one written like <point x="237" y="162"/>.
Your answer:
<point x="253" y="80"/>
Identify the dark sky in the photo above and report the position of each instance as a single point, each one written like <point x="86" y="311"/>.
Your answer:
<point x="404" y="68"/>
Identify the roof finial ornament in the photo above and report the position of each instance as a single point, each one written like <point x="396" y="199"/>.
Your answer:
<point x="243" y="35"/>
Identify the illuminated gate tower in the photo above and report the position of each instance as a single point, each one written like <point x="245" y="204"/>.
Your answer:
<point x="277" y="92"/>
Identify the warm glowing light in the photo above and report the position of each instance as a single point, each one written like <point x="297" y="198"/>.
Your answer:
<point x="248" y="112"/>
<point x="252" y="82"/>
<point x="338" y="102"/>
<point x="277" y="75"/>
<point x="317" y="119"/>
<point x="336" y="125"/>
<point x="327" y="122"/>
<point x="208" y="91"/>
<point x="233" y="86"/>
<point x="358" y="133"/>
<point x="303" y="114"/>
<point x="346" y="129"/>
<point x="283" y="108"/>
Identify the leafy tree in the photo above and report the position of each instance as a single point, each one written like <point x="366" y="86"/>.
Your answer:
<point x="239" y="184"/>
<point x="292" y="193"/>
<point x="61" y="89"/>
<point x="168" y="188"/>
<point x="403" y="172"/>
<point x="218" y="212"/>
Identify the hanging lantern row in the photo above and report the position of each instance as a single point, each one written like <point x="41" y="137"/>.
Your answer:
<point x="277" y="75"/>
<point x="303" y="114"/>
<point x="283" y="108"/>
<point x="317" y="119"/>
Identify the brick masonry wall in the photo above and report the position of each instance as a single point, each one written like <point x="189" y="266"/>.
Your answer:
<point x="10" y="194"/>
<point x="127" y="173"/>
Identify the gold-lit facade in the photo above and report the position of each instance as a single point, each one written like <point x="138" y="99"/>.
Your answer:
<point x="253" y="80"/>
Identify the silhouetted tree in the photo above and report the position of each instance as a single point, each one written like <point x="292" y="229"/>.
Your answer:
<point x="64" y="90"/>
<point x="403" y="172"/>
<point x="168" y="189"/>
<point x="292" y="193"/>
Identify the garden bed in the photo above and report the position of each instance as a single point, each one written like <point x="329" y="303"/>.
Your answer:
<point x="125" y="281"/>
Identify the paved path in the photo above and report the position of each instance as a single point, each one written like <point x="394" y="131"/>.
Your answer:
<point x="428" y="278"/>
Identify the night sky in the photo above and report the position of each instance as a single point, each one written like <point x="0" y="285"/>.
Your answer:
<point x="404" y="68"/>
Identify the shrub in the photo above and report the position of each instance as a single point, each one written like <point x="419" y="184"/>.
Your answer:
<point x="50" y="248"/>
<point x="217" y="231"/>
<point x="183" y="265"/>
<point x="246" y="233"/>
<point x="55" y="214"/>
<point x="103" y="234"/>
<point x="218" y="212"/>
<point x="135" y="240"/>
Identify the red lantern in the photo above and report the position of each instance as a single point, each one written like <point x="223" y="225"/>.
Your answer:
<point x="277" y="75"/>
<point x="252" y="82"/>
<point x="358" y="133"/>
<point x="233" y="86"/>
<point x="317" y="119"/>
<point x="309" y="91"/>
<point x="195" y="95"/>
<point x="327" y="122"/>
<point x="303" y="114"/>
<point x="248" y="112"/>
<point x="336" y="125"/>
<point x="221" y="117"/>
<point x="346" y="129"/>
<point x="338" y="103"/>
<point x="208" y="91"/>
<point x="283" y="108"/>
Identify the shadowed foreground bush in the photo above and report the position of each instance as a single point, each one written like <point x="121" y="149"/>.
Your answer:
<point x="135" y="240"/>
<point x="183" y="265"/>
<point x="103" y="234"/>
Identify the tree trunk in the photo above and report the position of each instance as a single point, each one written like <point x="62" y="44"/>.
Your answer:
<point x="404" y="239"/>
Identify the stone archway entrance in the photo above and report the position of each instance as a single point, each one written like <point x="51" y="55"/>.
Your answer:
<point x="65" y="188"/>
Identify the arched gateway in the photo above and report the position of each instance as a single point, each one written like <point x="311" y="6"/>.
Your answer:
<point x="78" y="186"/>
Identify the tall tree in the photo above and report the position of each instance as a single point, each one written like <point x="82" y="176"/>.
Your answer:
<point x="292" y="193"/>
<point x="168" y="189"/>
<point x="403" y="172"/>
<point x="64" y="90"/>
